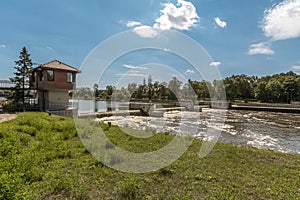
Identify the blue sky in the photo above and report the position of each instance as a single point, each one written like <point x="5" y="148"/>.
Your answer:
<point x="253" y="37"/>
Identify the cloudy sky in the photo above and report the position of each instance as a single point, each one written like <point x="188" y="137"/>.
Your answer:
<point x="253" y="37"/>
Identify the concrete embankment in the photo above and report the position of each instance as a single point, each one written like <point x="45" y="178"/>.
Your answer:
<point x="284" y="108"/>
<point x="157" y="110"/>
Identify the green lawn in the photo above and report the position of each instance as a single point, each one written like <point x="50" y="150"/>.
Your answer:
<point x="41" y="157"/>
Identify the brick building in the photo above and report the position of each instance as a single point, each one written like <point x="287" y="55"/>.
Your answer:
<point x="53" y="81"/>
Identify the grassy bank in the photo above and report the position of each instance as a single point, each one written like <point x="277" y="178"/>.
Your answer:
<point x="41" y="157"/>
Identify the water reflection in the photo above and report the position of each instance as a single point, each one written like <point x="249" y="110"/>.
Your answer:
<point x="88" y="106"/>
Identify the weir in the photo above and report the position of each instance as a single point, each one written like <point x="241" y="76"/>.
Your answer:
<point x="284" y="108"/>
<point x="157" y="110"/>
<point x="146" y="109"/>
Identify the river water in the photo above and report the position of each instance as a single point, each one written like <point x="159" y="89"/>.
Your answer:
<point x="265" y="130"/>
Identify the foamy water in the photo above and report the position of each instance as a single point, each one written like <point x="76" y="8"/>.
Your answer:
<point x="265" y="130"/>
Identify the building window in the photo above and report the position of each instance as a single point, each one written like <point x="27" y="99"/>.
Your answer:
<point x="41" y="76"/>
<point x="70" y="77"/>
<point x="50" y="75"/>
<point x="33" y="76"/>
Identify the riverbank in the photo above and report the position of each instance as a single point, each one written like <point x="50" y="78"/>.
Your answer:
<point x="264" y="130"/>
<point x="43" y="158"/>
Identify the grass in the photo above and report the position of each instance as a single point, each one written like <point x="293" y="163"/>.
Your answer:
<point x="41" y="157"/>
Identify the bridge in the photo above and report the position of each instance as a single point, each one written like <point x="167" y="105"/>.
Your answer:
<point x="6" y="85"/>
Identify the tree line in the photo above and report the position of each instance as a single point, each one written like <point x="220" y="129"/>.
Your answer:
<point x="278" y="88"/>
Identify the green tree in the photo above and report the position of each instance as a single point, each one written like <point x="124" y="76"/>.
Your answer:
<point x="150" y="87"/>
<point x="122" y="94"/>
<point x="132" y="88"/>
<point x="201" y="89"/>
<point x="163" y="90"/>
<point x="84" y="93"/>
<point x="188" y="91"/>
<point x="239" y="86"/>
<point x="175" y="89"/>
<point x="156" y="90"/>
<point x="218" y="92"/>
<point x="144" y="89"/>
<point x="110" y="90"/>
<point x="23" y="72"/>
<point x="96" y="90"/>
<point x="261" y="92"/>
<point x="281" y="88"/>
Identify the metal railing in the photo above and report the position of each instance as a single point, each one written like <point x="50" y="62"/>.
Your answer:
<point x="6" y="84"/>
<point x="58" y="106"/>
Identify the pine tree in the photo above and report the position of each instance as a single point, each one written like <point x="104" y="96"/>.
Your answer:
<point x="23" y="72"/>
<point x="150" y="85"/>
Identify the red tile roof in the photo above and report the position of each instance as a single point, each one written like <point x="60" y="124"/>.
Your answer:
<point x="55" y="64"/>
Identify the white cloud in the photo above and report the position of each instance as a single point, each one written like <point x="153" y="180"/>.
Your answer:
<point x="189" y="71"/>
<point x="181" y="16"/>
<point x="133" y="23"/>
<point x="296" y="68"/>
<point x="260" y="48"/>
<point x="50" y="48"/>
<point x="220" y="23"/>
<point x="146" y="31"/>
<point x="2" y="46"/>
<point x="282" y="21"/>
<point x="130" y="66"/>
<point x="215" y="64"/>
<point x="133" y="67"/>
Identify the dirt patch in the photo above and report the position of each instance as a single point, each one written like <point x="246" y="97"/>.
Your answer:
<point x="7" y="117"/>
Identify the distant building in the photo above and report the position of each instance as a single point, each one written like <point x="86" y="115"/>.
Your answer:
<point x="53" y="81"/>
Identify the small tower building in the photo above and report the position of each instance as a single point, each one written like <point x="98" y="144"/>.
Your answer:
<point x="53" y="82"/>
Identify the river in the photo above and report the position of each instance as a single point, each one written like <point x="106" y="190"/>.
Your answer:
<point x="264" y="130"/>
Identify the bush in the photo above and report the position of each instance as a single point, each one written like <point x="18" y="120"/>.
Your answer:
<point x="11" y="107"/>
<point x="18" y="107"/>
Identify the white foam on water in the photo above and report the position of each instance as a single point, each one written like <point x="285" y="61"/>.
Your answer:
<point x="256" y="132"/>
<point x="230" y="129"/>
<point x="261" y="141"/>
<point x="258" y="119"/>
